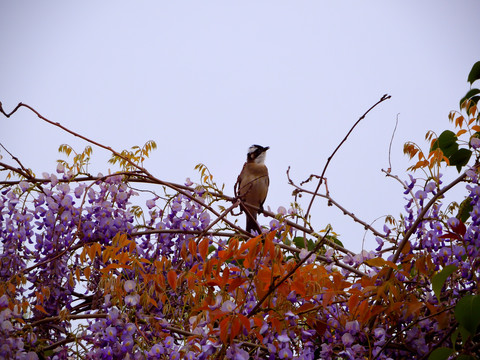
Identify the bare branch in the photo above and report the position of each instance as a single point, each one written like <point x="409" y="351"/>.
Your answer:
<point x="382" y="99"/>
<point x="331" y="201"/>
<point x="390" y="147"/>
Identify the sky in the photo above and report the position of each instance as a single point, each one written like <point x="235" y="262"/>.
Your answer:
<point x="207" y="79"/>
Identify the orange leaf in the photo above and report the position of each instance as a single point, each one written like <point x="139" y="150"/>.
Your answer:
<point x="236" y="326"/>
<point x="245" y="321"/>
<point x="109" y="267"/>
<point x="362" y="310"/>
<point x="379" y="262"/>
<point x="77" y="273"/>
<point x="183" y="252"/>
<point x="225" y="277"/>
<point x="224" y="255"/>
<point x="235" y="283"/>
<point x="151" y="301"/>
<point x="299" y="286"/>
<point x="305" y="307"/>
<point x="172" y="279"/>
<point x="250" y="243"/>
<point x="11" y="288"/>
<point x="268" y="246"/>
<point x="413" y="308"/>
<point x="41" y="308"/>
<point x="249" y="259"/>
<point x="233" y="244"/>
<point x="459" y="121"/>
<point x="406" y="248"/>
<point x="132" y="247"/>
<point x="258" y="321"/>
<point x="277" y="325"/>
<point x="203" y="248"/>
<point x="353" y="302"/>
<point x="224" y="329"/>
<point x="327" y="298"/>
<point x="208" y="268"/>
<point x="192" y="247"/>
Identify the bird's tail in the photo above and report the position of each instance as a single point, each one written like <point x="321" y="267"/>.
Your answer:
<point x="251" y="216"/>
<point x="252" y="224"/>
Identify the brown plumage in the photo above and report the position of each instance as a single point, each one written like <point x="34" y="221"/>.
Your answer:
<point x="252" y="185"/>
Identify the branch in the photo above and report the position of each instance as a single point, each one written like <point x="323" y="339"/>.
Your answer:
<point x="387" y="174"/>
<point x="390" y="146"/>
<point x="326" y="260"/>
<point x="382" y="99"/>
<point x="181" y="231"/>
<point x="23" y="171"/>
<point x="68" y="317"/>
<point x="152" y="178"/>
<point x="333" y="202"/>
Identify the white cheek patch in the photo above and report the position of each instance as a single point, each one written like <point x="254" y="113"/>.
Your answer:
<point x="252" y="149"/>
<point x="261" y="158"/>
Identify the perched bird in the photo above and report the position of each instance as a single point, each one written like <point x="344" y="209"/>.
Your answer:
<point x="252" y="184"/>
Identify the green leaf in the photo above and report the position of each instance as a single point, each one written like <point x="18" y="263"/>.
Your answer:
<point x="440" y="354"/>
<point x="447" y="142"/>
<point x="439" y="279"/>
<point x="460" y="158"/>
<point x="310" y="245"/>
<point x="467" y="313"/>
<point x="336" y="240"/>
<point x="454" y="337"/>
<point x="464" y="210"/>
<point x="299" y="242"/>
<point x="470" y="95"/>
<point x="474" y="73"/>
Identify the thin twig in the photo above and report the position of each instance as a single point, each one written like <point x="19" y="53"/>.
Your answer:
<point x="182" y="231"/>
<point x="333" y="202"/>
<point x="25" y="172"/>
<point x="119" y="155"/>
<point x="390" y="147"/>
<point x="326" y="260"/>
<point x="382" y="99"/>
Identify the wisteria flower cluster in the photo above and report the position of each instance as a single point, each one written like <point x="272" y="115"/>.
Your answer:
<point x="91" y="269"/>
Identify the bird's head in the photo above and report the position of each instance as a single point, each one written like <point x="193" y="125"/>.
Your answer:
<point x="257" y="153"/>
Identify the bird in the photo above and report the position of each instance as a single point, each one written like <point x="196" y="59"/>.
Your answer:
<point x="252" y="185"/>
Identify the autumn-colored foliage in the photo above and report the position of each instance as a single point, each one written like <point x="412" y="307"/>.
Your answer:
<point x="89" y="272"/>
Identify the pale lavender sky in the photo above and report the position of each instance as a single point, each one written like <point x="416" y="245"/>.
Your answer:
<point x="206" y="79"/>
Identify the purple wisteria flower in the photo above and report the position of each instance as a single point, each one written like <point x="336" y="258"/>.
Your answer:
<point x="132" y="300"/>
<point x="285" y="353"/>
<point x="156" y="351"/>
<point x="475" y="142"/>
<point x="129" y="285"/>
